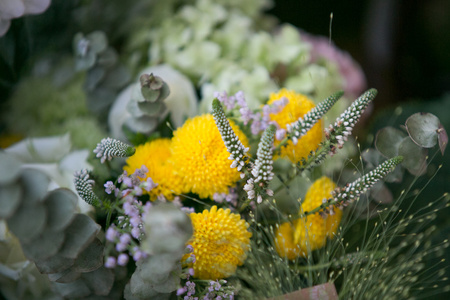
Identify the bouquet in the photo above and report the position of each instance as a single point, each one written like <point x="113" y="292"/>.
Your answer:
<point x="257" y="189"/>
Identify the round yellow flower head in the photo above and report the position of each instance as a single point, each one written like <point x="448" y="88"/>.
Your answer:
<point x="201" y="158"/>
<point x="155" y="155"/>
<point x="309" y="233"/>
<point x="297" y="107"/>
<point x="220" y="241"/>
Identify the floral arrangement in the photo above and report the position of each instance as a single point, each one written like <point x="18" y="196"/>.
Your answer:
<point x="256" y="189"/>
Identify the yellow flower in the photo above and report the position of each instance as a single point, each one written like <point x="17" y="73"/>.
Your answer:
<point x="309" y="233"/>
<point x="200" y="157"/>
<point x="220" y="241"/>
<point x="297" y="107"/>
<point x="155" y="155"/>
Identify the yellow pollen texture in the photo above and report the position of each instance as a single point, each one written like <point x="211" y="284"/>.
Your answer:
<point x="155" y="155"/>
<point x="309" y="233"/>
<point x="297" y="107"/>
<point x="220" y="243"/>
<point x="200" y="157"/>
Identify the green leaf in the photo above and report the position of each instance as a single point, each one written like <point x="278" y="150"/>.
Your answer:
<point x="388" y="140"/>
<point x="94" y="77"/>
<point x="108" y="58"/>
<point x="54" y="264"/>
<point x="140" y="288"/>
<point x="98" y="41"/>
<point x="35" y="184"/>
<point x="381" y="194"/>
<point x="79" y="234"/>
<point x="157" y="268"/>
<point x="61" y="205"/>
<point x="414" y="157"/>
<point x="155" y="109"/>
<point x="10" y="167"/>
<point x="100" y="281"/>
<point x="66" y="276"/>
<point x="28" y="222"/>
<point x="10" y="197"/>
<point x="91" y="258"/>
<point x="443" y="138"/>
<point x="423" y="129"/>
<point x="44" y="246"/>
<point x="74" y="290"/>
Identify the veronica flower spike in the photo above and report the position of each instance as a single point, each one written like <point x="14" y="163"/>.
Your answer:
<point x="338" y="133"/>
<point x="299" y="128"/>
<point x="234" y="146"/>
<point x="109" y="148"/>
<point x="262" y="170"/>
<point x="84" y="187"/>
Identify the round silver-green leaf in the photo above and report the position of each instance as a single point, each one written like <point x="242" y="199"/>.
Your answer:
<point x="91" y="258"/>
<point x="422" y="128"/>
<point x="28" y="222"/>
<point x="44" y="246"/>
<point x="79" y="234"/>
<point x="35" y="185"/>
<point x="10" y="167"/>
<point x="387" y="141"/>
<point x="414" y="157"/>
<point x="61" y="205"/>
<point x="10" y="196"/>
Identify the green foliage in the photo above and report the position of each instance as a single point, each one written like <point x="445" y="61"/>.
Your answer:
<point x="61" y="242"/>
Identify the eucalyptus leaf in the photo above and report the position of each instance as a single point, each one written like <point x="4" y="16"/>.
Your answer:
<point x="108" y="58"/>
<point x="169" y="285"/>
<point x="98" y="41"/>
<point x="423" y="129"/>
<point x="116" y="78"/>
<point x="372" y="157"/>
<point x="10" y="199"/>
<point x="79" y="234"/>
<point x="75" y="290"/>
<point x="86" y="62"/>
<point x="100" y="99"/>
<point x="61" y="205"/>
<point x="387" y="141"/>
<point x="28" y="222"/>
<point x="443" y="138"/>
<point x="91" y="258"/>
<point x="140" y="288"/>
<point x="414" y="157"/>
<point x="144" y="124"/>
<point x="157" y="109"/>
<point x="396" y="175"/>
<point x="157" y="268"/>
<point x="380" y="193"/>
<point x="100" y="281"/>
<point x="165" y="91"/>
<point x="35" y="185"/>
<point x="66" y="276"/>
<point x="94" y="77"/>
<point x="149" y="94"/>
<point x="167" y="229"/>
<point x="12" y="165"/>
<point x="44" y="246"/>
<point x="54" y="264"/>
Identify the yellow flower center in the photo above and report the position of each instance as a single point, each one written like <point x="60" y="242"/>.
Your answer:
<point x="309" y="233"/>
<point x="199" y="156"/>
<point x="155" y="155"/>
<point x="297" y="107"/>
<point x="220" y="242"/>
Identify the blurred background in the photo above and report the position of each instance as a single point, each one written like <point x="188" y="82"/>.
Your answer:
<point x="402" y="46"/>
